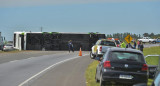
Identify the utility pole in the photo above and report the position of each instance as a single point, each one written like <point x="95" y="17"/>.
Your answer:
<point x="41" y="29"/>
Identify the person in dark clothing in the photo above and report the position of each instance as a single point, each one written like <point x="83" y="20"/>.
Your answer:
<point x="129" y="45"/>
<point x="138" y="42"/>
<point x="135" y="44"/>
<point x="141" y="46"/>
<point x="70" y="46"/>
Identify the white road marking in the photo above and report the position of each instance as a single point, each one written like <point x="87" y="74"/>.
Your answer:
<point x="45" y="70"/>
<point x="14" y="60"/>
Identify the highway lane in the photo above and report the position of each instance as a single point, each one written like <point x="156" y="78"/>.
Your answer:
<point x="17" y="67"/>
<point x="19" y="55"/>
<point x="151" y="45"/>
<point x="15" y="72"/>
<point x="70" y="73"/>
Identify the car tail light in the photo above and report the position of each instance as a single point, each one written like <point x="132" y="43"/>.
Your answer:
<point x="145" y="67"/>
<point x="118" y="45"/>
<point x="107" y="64"/>
<point x="100" y="49"/>
<point x="4" y="47"/>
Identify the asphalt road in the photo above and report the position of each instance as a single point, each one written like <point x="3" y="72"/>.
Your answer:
<point x="27" y="68"/>
<point x="19" y="55"/>
<point x="151" y="45"/>
<point x="70" y="73"/>
<point x="14" y="72"/>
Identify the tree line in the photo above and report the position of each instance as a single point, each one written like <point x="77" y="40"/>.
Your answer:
<point x="121" y="36"/>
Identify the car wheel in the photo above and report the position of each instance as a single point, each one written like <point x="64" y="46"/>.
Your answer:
<point x="102" y="83"/>
<point x="91" y="55"/>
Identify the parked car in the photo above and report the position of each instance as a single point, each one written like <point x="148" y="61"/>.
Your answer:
<point x="147" y="40"/>
<point x="152" y="71"/>
<point x="8" y="47"/>
<point x="158" y="40"/>
<point x="99" y="48"/>
<point x="122" y="66"/>
<point x="118" y="43"/>
<point x="156" y="81"/>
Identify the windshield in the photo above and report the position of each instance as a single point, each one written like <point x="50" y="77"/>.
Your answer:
<point x="126" y="56"/>
<point x="108" y="43"/>
<point x="117" y="42"/>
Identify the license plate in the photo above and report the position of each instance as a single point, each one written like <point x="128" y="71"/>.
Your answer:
<point x="125" y="77"/>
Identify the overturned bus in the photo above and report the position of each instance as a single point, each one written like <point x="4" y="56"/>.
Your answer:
<point x="54" y="40"/>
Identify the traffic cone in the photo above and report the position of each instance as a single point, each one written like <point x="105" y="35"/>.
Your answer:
<point x="80" y="52"/>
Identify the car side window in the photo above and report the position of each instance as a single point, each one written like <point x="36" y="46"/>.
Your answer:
<point x="102" y="43"/>
<point x="105" y="55"/>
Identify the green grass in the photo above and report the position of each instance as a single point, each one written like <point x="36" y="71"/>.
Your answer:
<point x="152" y="60"/>
<point x="90" y="74"/>
<point x="152" y="50"/>
<point x="91" y="70"/>
<point x="13" y="51"/>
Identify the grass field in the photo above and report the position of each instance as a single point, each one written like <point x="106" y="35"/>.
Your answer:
<point x="91" y="70"/>
<point x="13" y="51"/>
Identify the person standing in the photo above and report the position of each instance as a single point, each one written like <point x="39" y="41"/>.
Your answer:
<point x="138" y="42"/>
<point x="135" y="44"/>
<point x="141" y="46"/>
<point x="70" y="46"/>
<point x="123" y="45"/>
<point x="129" y="45"/>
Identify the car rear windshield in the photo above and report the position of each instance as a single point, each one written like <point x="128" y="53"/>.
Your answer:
<point x="126" y="56"/>
<point x="108" y="43"/>
<point x="8" y="45"/>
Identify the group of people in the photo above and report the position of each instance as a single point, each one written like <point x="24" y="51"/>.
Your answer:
<point x="140" y="45"/>
<point x="123" y="45"/>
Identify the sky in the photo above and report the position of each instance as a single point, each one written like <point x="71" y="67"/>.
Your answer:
<point x="104" y="16"/>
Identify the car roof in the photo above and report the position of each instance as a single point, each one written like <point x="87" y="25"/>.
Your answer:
<point x="125" y="49"/>
<point x="106" y="40"/>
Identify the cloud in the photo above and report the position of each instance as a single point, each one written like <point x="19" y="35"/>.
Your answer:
<point x="15" y="3"/>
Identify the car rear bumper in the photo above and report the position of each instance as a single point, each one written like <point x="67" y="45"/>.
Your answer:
<point x="6" y="49"/>
<point x="114" y="76"/>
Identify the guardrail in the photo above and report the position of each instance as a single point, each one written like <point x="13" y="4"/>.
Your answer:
<point x="153" y="68"/>
<point x="152" y="55"/>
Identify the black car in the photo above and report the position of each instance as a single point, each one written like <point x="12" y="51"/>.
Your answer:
<point x="122" y="66"/>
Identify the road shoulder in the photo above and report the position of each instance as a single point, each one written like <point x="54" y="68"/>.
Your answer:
<point x="70" y="73"/>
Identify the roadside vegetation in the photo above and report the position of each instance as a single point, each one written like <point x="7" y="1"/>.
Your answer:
<point x="91" y="70"/>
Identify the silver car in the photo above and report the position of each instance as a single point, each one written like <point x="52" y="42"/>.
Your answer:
<point x="8" y="47"/>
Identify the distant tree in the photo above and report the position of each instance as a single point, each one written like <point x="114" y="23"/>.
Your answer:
<point x="139" y="36"/>
<point x="152" y="35"/>
<point x="121" y="36"/>
<point x="146" y="34"/>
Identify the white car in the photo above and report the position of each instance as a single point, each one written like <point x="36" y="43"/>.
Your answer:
<point x="100" y="47"/>
<point x="147" y="39"/>
<point x="8" y="47"/>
